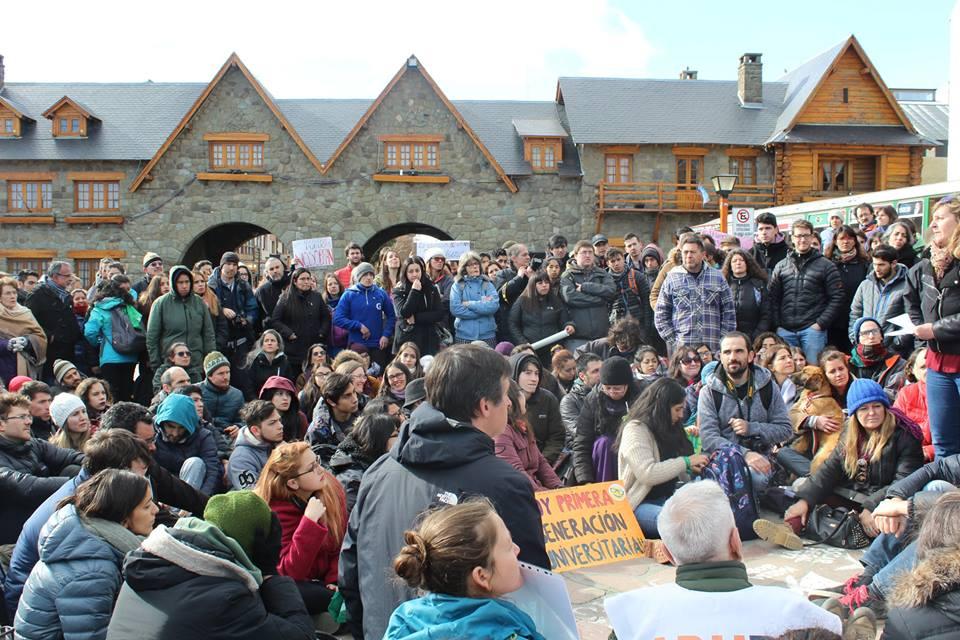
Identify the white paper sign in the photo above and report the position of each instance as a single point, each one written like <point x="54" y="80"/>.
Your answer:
<point x="744" y="221"/>
<point x="314" y="252"/>
<point x="452" y="249"/>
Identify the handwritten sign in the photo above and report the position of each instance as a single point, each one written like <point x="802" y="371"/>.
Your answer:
<point x="452" y="249"/>
<point x="588" y="526"/>
<point x="314" y="252"/>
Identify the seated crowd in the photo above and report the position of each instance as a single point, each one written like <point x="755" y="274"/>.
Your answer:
<point x="272" y="453"/>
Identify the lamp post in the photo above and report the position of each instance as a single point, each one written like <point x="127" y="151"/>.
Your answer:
<point x="724" y="184"/>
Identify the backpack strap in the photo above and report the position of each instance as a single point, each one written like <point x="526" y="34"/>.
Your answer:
<point x="766" y="396"/>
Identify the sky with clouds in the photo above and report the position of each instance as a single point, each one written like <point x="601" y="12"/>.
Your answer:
<point x="493" y="49"/>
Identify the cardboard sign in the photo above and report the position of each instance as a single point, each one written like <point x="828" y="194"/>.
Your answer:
<point x="452" y="249"/>
<point x="588" y="526"/>
<point x="313" y="253"/>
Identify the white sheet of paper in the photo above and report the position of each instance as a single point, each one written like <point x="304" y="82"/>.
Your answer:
<point x="544" y="598"/>
<point x="899" y="332"/>
<point x="903" y="320"/>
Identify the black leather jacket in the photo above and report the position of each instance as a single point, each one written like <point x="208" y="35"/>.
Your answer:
<point x="928" y="301"/>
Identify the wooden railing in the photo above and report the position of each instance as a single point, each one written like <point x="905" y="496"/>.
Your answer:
<point x="660" y="197"/>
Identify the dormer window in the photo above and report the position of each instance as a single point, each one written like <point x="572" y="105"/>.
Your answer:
<point x="11" y="119"/>
<point x="70" y="118"/>
<point x="542" y="143"/>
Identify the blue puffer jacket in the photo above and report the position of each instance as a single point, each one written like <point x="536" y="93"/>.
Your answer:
<point x="223" y="406"/>
<point x="441" y="616"/>
<point x="71" y="591"/>
<point x="99" y="330"/>
<point x="473" y="304"/>
<point x="200" y="443"/>
<point x="369" y="306"/>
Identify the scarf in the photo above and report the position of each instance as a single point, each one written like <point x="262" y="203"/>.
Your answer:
<point x="864" y="356"/>
<point x="940" y="260"/>
<point x="114" y="534"/>
<point x="62" y="293"/>
<point x="846" y="256"/>
<point x="713" y="577"/>
<point x="18" y="322"/>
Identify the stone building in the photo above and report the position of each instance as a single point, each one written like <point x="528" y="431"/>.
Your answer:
<point x="190" y="170"/>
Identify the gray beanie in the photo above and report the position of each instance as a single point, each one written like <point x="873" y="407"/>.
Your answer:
<point x="360" y="270"/>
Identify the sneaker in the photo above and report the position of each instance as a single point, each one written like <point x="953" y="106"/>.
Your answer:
<point x="834" y="606"/>
<point x="862" y="625"/>
<point x="779" y="534"/>
<point x="852" y="583"/>
<point x="863" y="598"/>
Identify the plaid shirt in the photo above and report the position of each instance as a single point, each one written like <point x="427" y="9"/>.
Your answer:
<point x="695" y="308"/>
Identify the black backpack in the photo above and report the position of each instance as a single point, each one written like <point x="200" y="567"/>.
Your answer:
<point x="126" y="338"/>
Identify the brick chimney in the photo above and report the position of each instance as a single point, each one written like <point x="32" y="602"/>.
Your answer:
<point x="1" y="72"/>
<point x="688" y="74"/>
<point x="750" y="79"/>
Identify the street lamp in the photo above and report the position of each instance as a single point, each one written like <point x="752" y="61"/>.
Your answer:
<point x="724" y="184"/>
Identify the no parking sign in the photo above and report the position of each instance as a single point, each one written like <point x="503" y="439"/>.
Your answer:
<point x="744" y="222"/>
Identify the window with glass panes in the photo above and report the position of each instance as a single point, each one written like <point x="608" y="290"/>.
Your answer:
<point x="69" y="123"/>
<point x="8" y="125"/>
<point x="423" y="156"/>
<point x="86" y="270"/>
<point x="236" y="155"/>
<point x="618" y="168"/>
<point x="543" y="154"/>
<point x="96" y="195"/>
<point x="835" y="174"/>
<point x="16" y="265"/>
<point x="745" y="168"/>
<point x="29" y="196"/>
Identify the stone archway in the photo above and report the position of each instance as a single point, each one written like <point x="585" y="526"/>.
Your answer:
<point x="214" y="241"/>
<point x="383" y="237"/>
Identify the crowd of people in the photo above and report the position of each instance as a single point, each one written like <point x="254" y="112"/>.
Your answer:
<point x="271" y="452"/>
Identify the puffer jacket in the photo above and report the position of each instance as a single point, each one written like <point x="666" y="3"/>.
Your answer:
<point x="348" y="465"/>
<point x="71" y="590"/>
<point x="185" y="583"/>
<point x="882" y="301"/>
<point x="98" y="329"/>
<point x="805" y="290"/>
<point x="939" y="303"/>
<point x="474" y="304"/>
<point x="570" y="407"/>
<point x="769" y="425"/>
<point x="901" y="456"/>
<point x="180" y="319"/>
<point x="852" y="275"/>
<point x="29" y="472"/>
<point x="309" y="321"/>
<point x="589" y="307"/>
<point x="432" y="456"/>
<point x="770" y="255"/>
<point x="544" y="318"/>
<point x="247" y="460"/>
<point x="223" y="405"/>
<point x="925" y="603"/>
<point x="751" y="302"/>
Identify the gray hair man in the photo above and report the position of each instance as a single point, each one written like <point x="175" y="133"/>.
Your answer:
<point x="701" y="538"/>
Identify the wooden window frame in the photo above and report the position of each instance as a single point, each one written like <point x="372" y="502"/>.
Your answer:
<point x="411" y="153"/>
<point x="229" y="154"/>
<point x="90" y="187"/>
<point x="537" y="150"/>
<point x="847" y="172"/>
<point x="76" y="123"/>
<point x="7" y="116"/>
<point x="617" y="158"/>
<point x="737" y="164"/>
<point x="685" y="183"/>
<point x="12" y="186"/>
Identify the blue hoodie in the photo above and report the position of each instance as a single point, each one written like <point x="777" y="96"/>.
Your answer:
<point x="441" y="616"/>
<point x="360" y="305"/>
<point x="200" y="443"/>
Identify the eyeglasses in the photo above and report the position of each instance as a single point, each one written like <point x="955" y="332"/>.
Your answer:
<point x="182" y="354"/>
<point x="866" y="333"/>
<point x="25" y="418"/>
<point x="689" y="360"/>
<point x="396" y="376"/>
<point x="802" y="236"/>
<point x="313" y="467"/>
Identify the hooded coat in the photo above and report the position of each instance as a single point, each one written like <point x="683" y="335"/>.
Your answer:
<point x="437" y="615"/>
<point x="71" y="590"/>
<point x="925" y="603"/>
<point x="98" y="329"/>
<point x="543" y="411"/>
<point x="651" y="251"/>
<point x="304" y="314"/>
<point x="882" y="301"/>
<point x="199" y="443"/>
<point x="249" y="456"/>
<point x="433" y="457"/>
<point x="193" y="582"/>
<point x="589" y="306"/>
<point x="367" y="306"/>
<point x="294" y="421"/>
<point x="176" y="318"/>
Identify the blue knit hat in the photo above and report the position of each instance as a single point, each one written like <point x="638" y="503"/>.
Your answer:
<point x="859" y="323"/>
<point x="863" y="391"/>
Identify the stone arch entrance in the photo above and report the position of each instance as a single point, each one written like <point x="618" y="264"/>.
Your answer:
<point x="215" y="241"/>
<point x="383" y="237"/>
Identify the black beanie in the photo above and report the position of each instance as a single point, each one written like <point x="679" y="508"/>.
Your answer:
<point x="616" y="371"/>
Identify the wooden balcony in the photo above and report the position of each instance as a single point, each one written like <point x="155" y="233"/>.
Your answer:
<point x="667" y="197"/>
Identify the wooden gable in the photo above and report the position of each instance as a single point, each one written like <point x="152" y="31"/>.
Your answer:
<point x="413" y="65"/>
<point x="851" y="92"/>
<point x="232" y="62"/>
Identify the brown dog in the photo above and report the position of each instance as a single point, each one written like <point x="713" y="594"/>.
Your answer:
<point x="816" y="399"/>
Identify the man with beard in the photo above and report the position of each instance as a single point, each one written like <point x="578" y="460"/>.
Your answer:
<point x="269" y="292"/>
<point x="740" y="405"/>
<point x="354" y="253"/>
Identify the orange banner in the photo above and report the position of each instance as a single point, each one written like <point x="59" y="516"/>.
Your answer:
<point x="588" y="526"/>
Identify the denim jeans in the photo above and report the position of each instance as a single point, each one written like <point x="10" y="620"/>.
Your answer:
<point x="887" y="557"/>
<point x="193" y="472"/>
<point x="943" y="405"/>
<point x="647" y="513"/>
<point x="809" y="340"/>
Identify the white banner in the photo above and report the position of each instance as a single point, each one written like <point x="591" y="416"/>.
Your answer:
<point x="452" y="249"/>
<point x="313" y="252"/>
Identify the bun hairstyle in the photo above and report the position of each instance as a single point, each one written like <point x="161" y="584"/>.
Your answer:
<point x="441" y="553"/>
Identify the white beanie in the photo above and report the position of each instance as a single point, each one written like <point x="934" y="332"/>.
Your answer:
<point x="62" y="406"/>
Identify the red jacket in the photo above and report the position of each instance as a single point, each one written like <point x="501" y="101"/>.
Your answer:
<point x="307" y="551"/>
<point x="343" y="275"/>
<point x="513" y="447"/>
<point x="912" y="400"/>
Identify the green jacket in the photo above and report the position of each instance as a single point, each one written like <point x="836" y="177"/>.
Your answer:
<point x="176" y="319"/>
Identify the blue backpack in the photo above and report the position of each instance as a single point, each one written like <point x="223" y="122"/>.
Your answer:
<point x="728" y="468"/>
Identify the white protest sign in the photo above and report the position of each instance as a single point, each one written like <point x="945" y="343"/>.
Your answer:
<point x="744" y="222"/>
<point x="313" y="252"/>
<point x="452" y="249"/>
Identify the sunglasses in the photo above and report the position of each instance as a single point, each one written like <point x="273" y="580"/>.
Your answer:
<point x="181" y="354"/>
<point x="690" y="360"/>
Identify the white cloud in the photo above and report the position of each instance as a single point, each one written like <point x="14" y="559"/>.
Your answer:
<point x="498" y="49"/>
